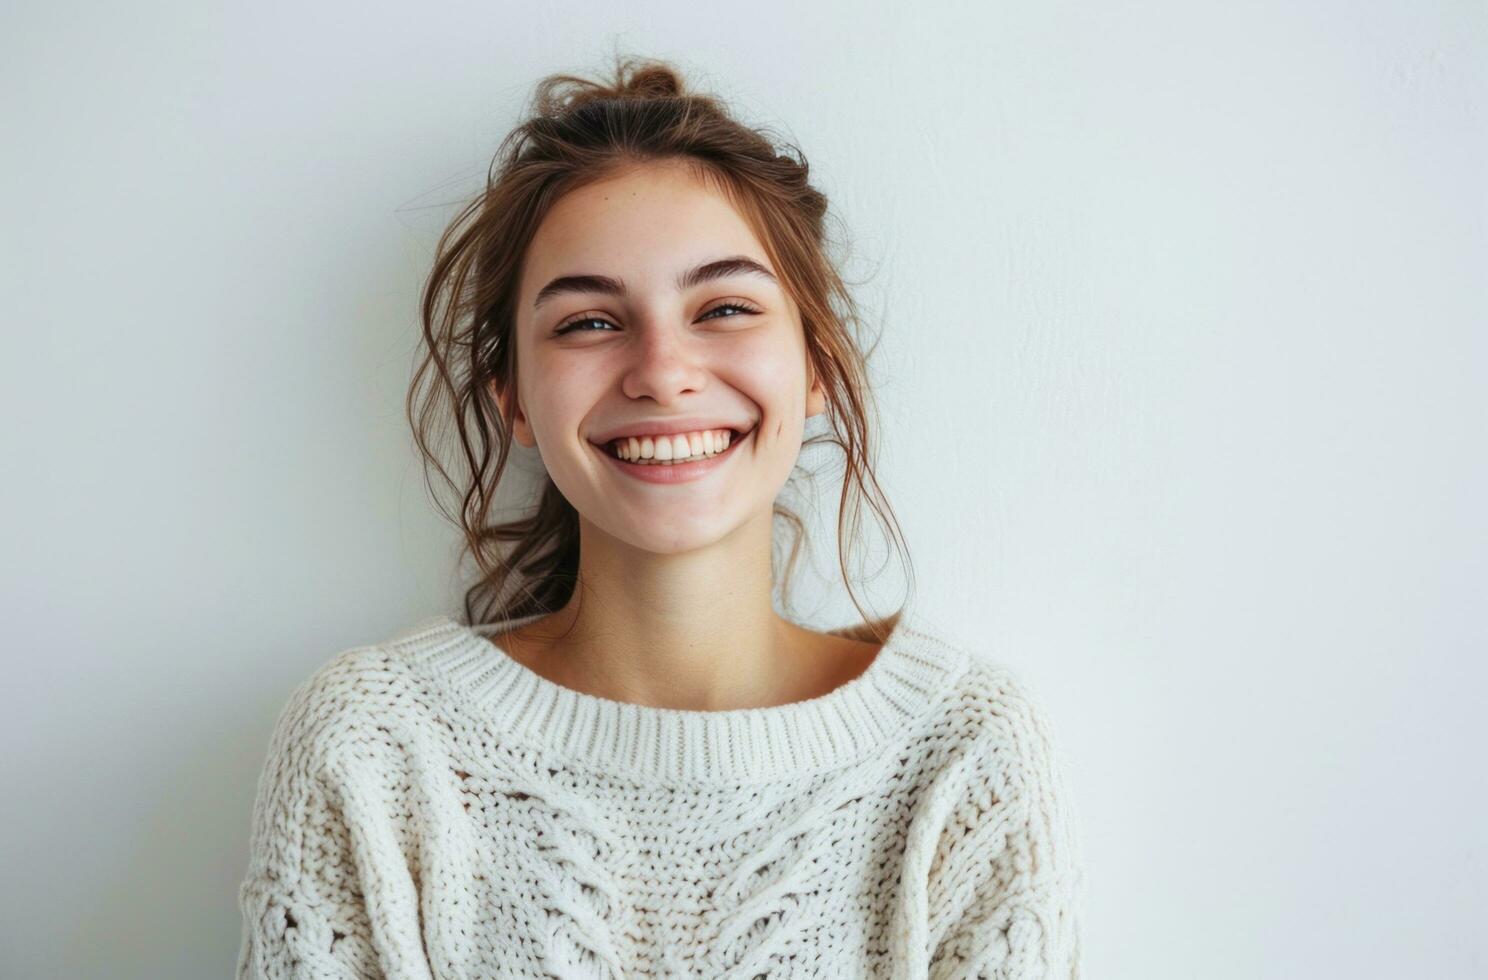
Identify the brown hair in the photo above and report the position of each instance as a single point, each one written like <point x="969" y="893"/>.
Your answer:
<point x="580" y="131"/>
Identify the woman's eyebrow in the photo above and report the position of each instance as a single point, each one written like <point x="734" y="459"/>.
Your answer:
<point x="734" y="265"/>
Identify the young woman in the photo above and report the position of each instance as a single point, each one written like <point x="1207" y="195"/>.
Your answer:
<point x="621" y="761"/>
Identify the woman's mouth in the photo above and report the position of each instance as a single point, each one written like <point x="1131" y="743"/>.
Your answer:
<point x="705" y="452"/>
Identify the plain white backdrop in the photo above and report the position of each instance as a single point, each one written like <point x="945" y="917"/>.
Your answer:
<point x="1185" y="340"/>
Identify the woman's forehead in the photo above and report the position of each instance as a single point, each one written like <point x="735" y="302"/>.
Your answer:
<point x="641" y="227"/>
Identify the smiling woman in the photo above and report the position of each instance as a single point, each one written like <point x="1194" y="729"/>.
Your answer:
<point x="621" y="759"/>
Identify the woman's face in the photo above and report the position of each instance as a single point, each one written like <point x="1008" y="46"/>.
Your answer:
<point x="613" y="340"/>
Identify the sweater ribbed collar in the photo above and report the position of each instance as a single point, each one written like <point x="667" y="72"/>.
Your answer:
<point x="904" y="681"/>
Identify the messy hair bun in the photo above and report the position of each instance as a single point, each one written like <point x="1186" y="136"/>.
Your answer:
<point x="634" y="78"/>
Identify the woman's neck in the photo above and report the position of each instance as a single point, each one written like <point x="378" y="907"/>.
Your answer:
<point x="718" y="669"/>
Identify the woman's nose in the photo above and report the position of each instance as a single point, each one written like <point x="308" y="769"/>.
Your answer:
<point x="663" y="363"/>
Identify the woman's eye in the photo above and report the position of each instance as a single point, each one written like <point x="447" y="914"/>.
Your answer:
<point x="581" y="324"/>
<point x="740" y="307"/>
<point x="576" y="324"/>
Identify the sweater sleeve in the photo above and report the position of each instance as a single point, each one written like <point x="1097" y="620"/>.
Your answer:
<point x="303" y="912"/>
<point x="1010" y="882"/>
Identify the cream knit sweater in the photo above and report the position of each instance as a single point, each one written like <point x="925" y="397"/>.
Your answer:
<point x="431" y="808"/>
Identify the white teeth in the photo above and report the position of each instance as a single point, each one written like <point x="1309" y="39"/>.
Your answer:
<point x="669" y="450"/>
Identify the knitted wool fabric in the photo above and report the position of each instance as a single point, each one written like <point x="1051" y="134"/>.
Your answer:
<point x="431" y="808"/>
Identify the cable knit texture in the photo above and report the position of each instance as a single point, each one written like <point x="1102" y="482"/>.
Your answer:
<point x="432" y="808"/>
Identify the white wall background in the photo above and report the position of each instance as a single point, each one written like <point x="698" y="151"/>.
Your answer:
<point x="1186" y="338"/>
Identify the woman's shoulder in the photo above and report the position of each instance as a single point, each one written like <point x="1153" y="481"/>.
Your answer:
<point x="990" y="703"/>
<point x="354" y="691"/>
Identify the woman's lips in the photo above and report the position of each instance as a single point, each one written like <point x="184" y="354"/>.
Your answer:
<point x="676" y="472"/>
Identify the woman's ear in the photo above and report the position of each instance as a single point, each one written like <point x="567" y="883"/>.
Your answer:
<point x="521" y="430"/>
<point x="816" y="396"/>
